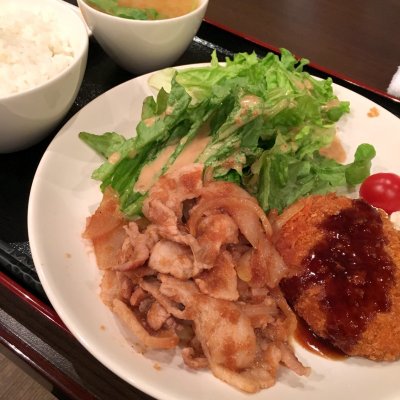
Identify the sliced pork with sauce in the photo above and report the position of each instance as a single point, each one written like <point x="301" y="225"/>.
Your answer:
<point x="200" y="272"/>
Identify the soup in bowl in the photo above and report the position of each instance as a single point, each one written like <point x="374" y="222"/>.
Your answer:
<point x="145" y="9"/>
<point x="144" y="45"/>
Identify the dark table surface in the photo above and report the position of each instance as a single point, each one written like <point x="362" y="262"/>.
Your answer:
<point x="357" y="41"/>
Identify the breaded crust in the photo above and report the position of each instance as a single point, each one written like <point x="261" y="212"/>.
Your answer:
<point x="297" y="237"/>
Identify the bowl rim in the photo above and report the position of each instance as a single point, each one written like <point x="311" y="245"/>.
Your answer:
<point x="199" y="9"/>
<point x="77" y="57"/>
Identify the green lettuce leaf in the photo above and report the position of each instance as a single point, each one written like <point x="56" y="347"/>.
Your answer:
<point x="266" y="119"/>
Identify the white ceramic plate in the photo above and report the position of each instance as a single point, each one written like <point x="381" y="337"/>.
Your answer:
<point x="63" y="195"/>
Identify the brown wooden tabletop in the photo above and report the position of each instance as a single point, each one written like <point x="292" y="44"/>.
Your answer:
<point x="357" y="40"/>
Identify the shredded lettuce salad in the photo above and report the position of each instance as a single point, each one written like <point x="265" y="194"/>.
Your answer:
<point x="267" y="120"/>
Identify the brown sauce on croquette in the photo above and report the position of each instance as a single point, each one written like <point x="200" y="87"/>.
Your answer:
<point x="355" y="269"/>
<point x="310" y="341"/>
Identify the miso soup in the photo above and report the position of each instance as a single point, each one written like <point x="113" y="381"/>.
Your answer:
<point x="145" y="9"/>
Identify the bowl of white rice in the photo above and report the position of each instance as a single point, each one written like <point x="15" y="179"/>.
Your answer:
<point x="43" y="55"/>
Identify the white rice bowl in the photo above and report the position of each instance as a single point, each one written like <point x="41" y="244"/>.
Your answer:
<point x="33" y="48"/>
<point x="43" y="55"/>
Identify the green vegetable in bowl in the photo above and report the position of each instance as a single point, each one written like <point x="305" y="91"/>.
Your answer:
<point x="111" y="7"/>
<point x="267" y="119"/>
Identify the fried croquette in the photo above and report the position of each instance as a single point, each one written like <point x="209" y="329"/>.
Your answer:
<point x="345" y="257"/>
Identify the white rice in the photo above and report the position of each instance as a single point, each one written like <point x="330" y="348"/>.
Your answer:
<point x="33" y="49"/>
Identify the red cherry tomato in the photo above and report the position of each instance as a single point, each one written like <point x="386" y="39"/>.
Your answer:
<point x="382" y="190"/>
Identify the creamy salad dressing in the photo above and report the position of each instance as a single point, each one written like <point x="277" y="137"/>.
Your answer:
<point x="151" y="172"/>
<point x="192" y="151"/>
<point x="249" y="101"/>
<point x="114" y="157"/>
<point x="248" y="104"/>
<point x="334" y="151"/>
<point x="305" y="84"/>
<point x="332" y="104"/>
